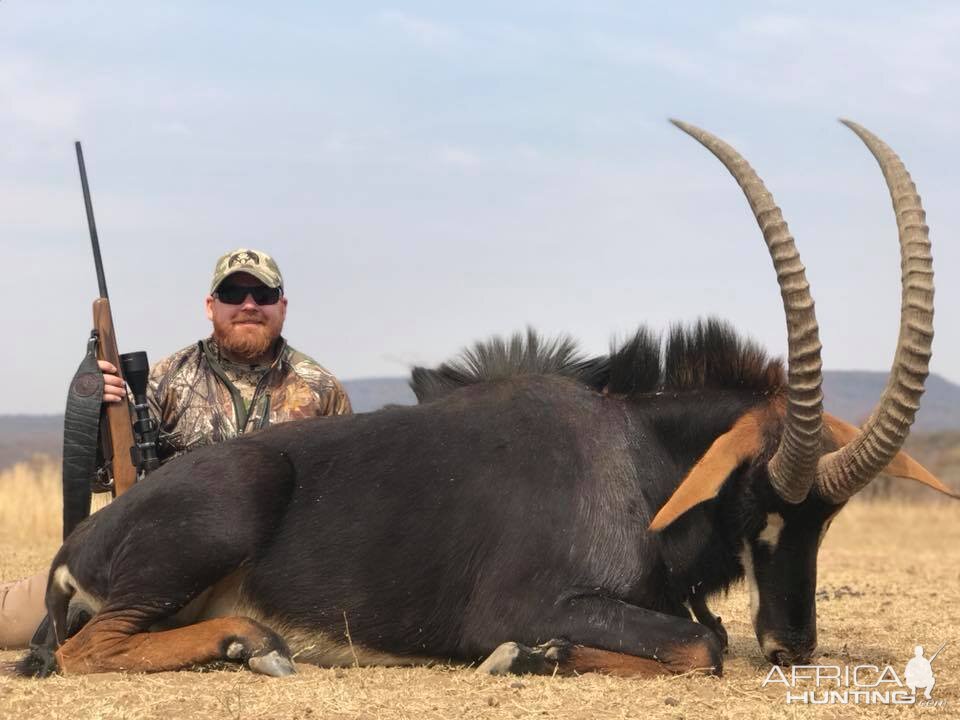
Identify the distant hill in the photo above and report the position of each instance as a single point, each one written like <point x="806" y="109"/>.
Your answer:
<point x="23" y="436"/>
<point x="373" y="393"/>
<point x="851" y="395"/>
<point x="848" y="394"/>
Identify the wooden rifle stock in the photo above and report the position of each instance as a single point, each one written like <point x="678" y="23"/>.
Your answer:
<point x="117" y="432"/>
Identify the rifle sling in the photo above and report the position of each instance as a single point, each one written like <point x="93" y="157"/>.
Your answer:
<point x="81" y="422"/>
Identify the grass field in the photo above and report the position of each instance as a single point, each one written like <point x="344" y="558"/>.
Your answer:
<point x="889" y="579"/>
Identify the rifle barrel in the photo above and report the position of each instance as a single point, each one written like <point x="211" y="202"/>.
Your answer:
<point x="91" y="223"/>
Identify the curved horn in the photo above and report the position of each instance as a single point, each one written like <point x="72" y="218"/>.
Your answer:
<point x="842" y="473"/>
<point x="793" y="467"/>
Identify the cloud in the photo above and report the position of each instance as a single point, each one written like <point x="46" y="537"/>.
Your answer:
<point x="171" y="127"/>
<point x="31" y="99"/>
<point x="874" y="63"/>
<point x="459" y="157"/>
<point x="40" y="209"/>
<point x="663" y="56"/>
<point x="428" y="33"/>
<point x="865" y="59"/>
<point x="775" y="26"/>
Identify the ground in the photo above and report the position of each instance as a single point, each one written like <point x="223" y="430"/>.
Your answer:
<point x="889" y="580"/>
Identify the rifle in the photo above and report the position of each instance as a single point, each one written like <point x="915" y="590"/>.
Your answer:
<point x="99" y="449"/>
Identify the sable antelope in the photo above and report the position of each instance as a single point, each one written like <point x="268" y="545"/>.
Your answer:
<point x="533" y="496"/>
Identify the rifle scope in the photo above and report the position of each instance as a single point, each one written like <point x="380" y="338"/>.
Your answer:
<point x="136" y="370"/>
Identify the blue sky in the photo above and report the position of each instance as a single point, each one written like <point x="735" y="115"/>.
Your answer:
<point x="429" y="174"/>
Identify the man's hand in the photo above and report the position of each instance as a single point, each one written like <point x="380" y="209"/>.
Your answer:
<point x="114" y="389"/>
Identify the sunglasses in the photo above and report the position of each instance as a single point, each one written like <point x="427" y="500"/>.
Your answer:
<point x="236" y="294"/>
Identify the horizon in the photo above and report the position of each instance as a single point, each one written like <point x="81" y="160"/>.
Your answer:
<point x="405" y="379"/>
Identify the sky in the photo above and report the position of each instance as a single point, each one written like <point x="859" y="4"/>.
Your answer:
<point x="429" y="174"/>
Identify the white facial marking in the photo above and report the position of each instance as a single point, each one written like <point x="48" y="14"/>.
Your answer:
<point x="235" y="650"/>
<point x="771" y="533"/>
<point x="746" y="558"/>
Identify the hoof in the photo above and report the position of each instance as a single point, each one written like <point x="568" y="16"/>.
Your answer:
<point x="512" y="657"/>
<point x="556" y="650"/>
<point x="273" y="664"/>
<point x="501" y="660"/>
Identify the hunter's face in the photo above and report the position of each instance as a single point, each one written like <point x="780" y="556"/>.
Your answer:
<point x="246" y="331"/>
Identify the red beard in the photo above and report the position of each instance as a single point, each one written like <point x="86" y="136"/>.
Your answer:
<point x="246" y="341"/>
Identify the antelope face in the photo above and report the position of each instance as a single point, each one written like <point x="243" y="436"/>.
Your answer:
<point x="780" y="571"/>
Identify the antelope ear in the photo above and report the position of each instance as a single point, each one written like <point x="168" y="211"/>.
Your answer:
<point x="902" y="465"/>
<point x="740" y="443"/>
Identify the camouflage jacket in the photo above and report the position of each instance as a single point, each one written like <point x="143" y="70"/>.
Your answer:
<point x="200" y="398"/>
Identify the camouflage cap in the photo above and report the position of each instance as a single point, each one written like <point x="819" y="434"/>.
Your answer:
<point x="252" y="262"/>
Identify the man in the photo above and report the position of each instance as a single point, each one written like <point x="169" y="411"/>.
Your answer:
<point x="242" y="378"/>
<point x="245" y="376"/>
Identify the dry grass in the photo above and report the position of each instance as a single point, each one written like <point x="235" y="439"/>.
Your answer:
<point x="889" y="579"/>
<point x="30" y="515"/>
<point x="31" y="498"/>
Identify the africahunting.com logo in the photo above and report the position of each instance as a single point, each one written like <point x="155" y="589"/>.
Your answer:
<point x="859" y="684"/>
